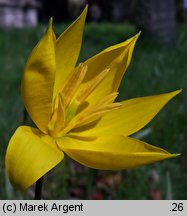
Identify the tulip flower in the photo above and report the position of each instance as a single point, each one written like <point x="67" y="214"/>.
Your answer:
<point x="73" y="107"/>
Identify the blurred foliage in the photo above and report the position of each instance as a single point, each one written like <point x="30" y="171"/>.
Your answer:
<point x="154" y="70"/>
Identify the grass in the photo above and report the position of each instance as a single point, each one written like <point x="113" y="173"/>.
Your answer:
<point x="153" y="70"/>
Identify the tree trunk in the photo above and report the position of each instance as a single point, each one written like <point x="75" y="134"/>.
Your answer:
<point x="156" y="18"/>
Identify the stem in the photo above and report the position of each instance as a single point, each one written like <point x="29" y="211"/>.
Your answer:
<point x="24" y="116"/>
<point x="38" y="189"/>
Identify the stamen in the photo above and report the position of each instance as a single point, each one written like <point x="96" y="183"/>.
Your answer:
<point x="57" y="120"/>
<point x="108" y="99"/>
<point x="73" y="83"/>
<point x="93" y="113"/>
<point x="61" y="114"/>
<point x="90" y="87"/>
<point x="54" y="114"/>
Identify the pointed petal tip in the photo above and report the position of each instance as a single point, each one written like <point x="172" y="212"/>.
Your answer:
<point x="176" y="155"/>
<point x="51" y="21"/>
<point x="131" y="41"/>
<point x="136" y="36"/>
<point x="179" y="91"/>
<point x="86" y="8"/>
<point x="85" y="11"/>
<point x="139" y="32"/>
<point x="169" y="155"/>
<point x="50" y="26"/>
<point x="174" y="93"/>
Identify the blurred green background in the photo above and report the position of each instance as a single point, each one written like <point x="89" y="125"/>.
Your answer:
<point x="154" y="69"/>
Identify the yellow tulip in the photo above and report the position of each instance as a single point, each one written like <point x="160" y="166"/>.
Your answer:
<point x="74" y="110"/>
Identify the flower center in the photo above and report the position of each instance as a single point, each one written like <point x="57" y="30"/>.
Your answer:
<point x="71" y="107"/>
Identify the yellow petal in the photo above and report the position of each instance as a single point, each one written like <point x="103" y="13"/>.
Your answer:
<point x="133" y="115"/>
<point x="38" y="80"/>
<point x="116" y="58"/>
<point x="30" y="155"/>
<point x="111" y="152"/>
<point x="67" y="50"/>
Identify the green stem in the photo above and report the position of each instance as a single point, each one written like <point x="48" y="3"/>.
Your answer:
<point x="24" y="116"/>
<point x="38" y="189"/>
